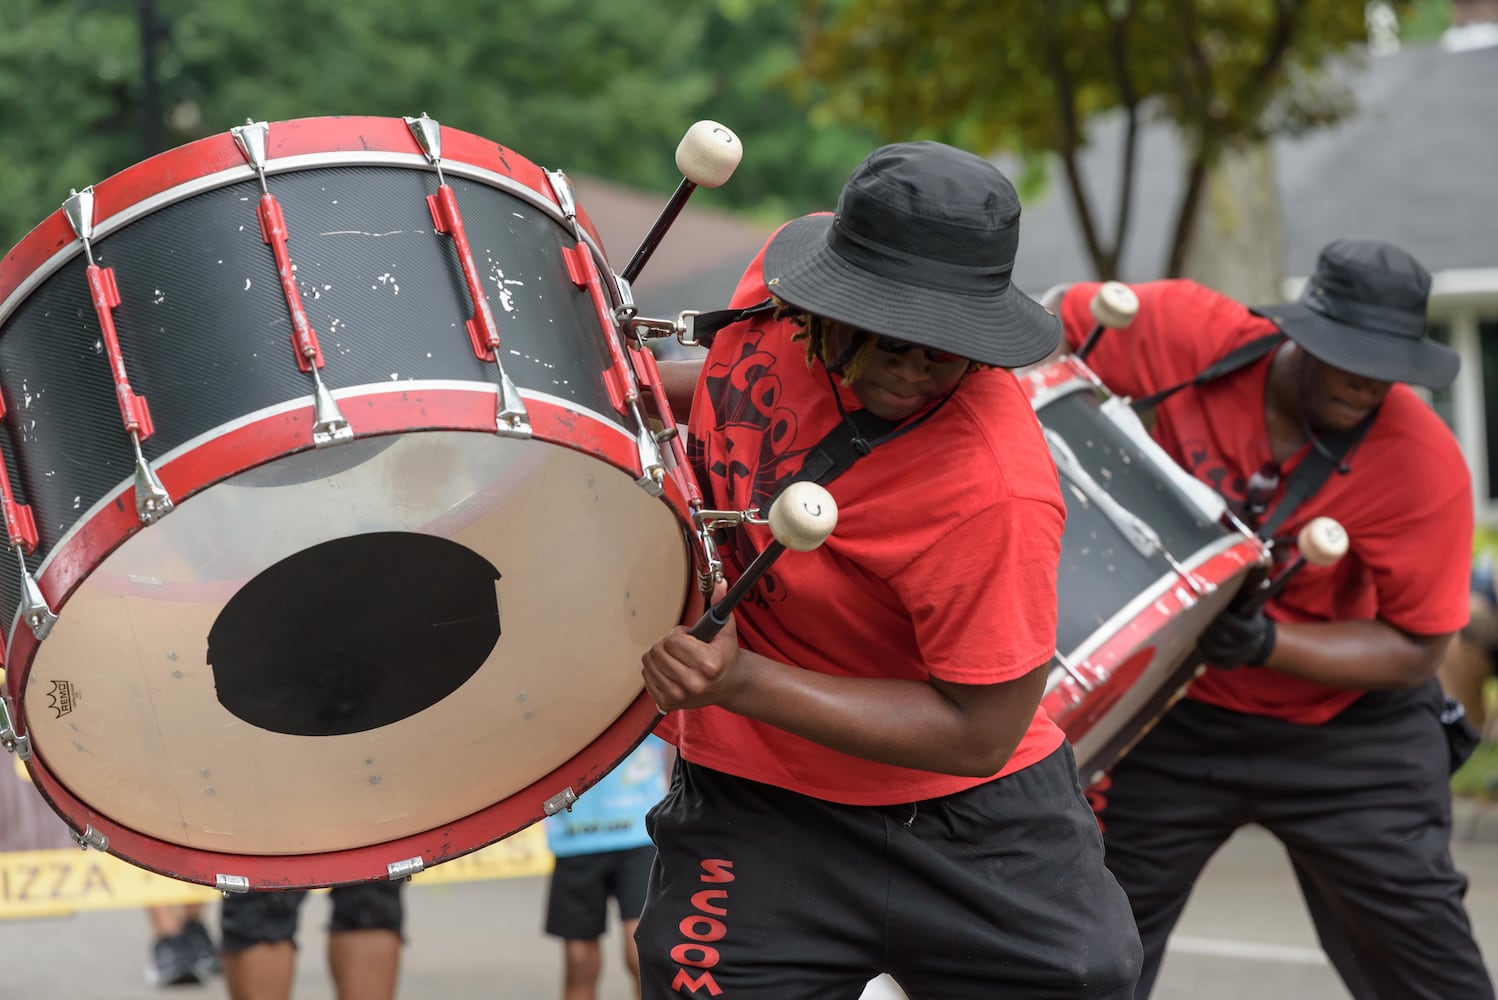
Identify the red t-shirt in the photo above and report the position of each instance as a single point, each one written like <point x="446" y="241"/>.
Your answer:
<point x="943" y="563"/>
<point x="1406" y="503"/>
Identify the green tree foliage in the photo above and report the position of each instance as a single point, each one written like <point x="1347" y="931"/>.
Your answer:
<point x="1025" y="76"/>
<point x="605" y="89"/>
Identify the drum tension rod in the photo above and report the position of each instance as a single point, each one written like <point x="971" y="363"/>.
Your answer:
<point x="1139" y="534"/>
<point x="511" y="417"/>
<point x="20" y="529"/>
<point x="151" y="499"/>
<point x="619" y="378"/>
<point x="328" y="425"/>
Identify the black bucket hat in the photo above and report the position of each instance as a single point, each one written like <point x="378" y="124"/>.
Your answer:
<point x="1363" y="311"/>
<point x="921" y="248"/>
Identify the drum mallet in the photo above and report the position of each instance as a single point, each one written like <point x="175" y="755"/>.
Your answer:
<point x="706" y="156"/>
<point x="1113" y="307"/>
<point x="1322" y="542"/>
<point x="801" y="518"/>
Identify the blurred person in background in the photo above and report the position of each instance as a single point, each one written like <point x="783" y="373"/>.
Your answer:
<point x="364" y="941"/>
<point x="602" y="851"/>
<point x="183" y="953"/>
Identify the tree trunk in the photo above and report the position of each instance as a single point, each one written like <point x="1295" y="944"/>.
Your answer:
<point x="1237" y="241"/>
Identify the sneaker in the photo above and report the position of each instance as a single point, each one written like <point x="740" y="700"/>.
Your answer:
<point x="205" y="952"/>
<point x="173" y="962"/>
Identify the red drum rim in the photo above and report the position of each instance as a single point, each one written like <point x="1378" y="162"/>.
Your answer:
<point x="216" y="161"/>
<point x="402" y="857"/>
<point x="1139" y="621"/>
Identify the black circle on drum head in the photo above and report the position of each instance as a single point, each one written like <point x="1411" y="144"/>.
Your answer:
<point x="355" y="633"/>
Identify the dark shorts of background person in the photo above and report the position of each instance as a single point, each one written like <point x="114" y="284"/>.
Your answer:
<point x="1362" y="804"/>
<point x="994" y="891"/>
<point x="578" y="899"/>
<point x="255" y="918"/>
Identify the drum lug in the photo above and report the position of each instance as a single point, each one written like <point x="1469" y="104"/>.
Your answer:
<point x="92" y="838"/>
<point x="15" y="742"/>
<point x="561" y="801"/>
<point x="231" y="883"/>
<point x="405" y="869"/>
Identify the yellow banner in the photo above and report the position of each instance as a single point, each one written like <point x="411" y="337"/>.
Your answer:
<point x="58" y="882"/>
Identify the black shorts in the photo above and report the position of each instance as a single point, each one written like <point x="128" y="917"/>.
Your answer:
<point x="248" y="919"/>
<point x="999" y="890"/>
<point x="581" y="884"/>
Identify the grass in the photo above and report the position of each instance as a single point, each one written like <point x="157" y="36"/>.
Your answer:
<point x="1478" y="778"/>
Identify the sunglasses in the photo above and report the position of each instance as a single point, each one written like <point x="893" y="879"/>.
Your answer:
<point x="890" y="345"/>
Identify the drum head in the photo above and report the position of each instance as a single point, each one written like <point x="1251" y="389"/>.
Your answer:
<point x="350" y="646"/>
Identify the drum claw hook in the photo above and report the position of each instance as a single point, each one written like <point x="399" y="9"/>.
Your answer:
<point x="17" y="743"/>
<point x="152" y="502"/>
<point x="328" y="424"/>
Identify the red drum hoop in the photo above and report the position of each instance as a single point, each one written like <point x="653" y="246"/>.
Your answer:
<point x="1149" y="558"/>
<point x="362" y="582"/>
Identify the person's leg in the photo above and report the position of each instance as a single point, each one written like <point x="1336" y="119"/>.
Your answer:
<point x="166" y="921"/>
<point x="631" y="882"/>
<point x="631" y="952"/>
<point x="577" y="912"/>
<point x="258" y="931"/>
<point x="174" y="958"/>
<point x="1366" y="817"/>
<point x="582" y="962"/>
<point x="1172" y="802"/>
<point x="364" y="940"/>
<point x="1001" y="890"/>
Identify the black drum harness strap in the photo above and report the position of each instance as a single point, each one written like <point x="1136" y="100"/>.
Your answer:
<point x="1325" y="457"/>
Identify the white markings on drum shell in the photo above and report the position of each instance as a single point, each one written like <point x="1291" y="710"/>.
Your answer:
<point x="387" y="279"/>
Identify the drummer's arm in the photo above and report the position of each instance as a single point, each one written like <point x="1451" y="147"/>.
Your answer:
<point x="1367" y="655"/>
<point x="962" y="729"/>
<point x="679" y="379"/>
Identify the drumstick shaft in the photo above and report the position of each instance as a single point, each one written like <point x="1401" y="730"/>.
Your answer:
<point x="1090" y="342"/>
<point x="715" y="617"/>
<point x="662" y="223"/>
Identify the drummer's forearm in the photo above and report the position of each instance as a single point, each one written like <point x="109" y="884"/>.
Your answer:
<point x="968" y="730"/>
<point x="1365" y="655"/>
<point x="679" y="379"/>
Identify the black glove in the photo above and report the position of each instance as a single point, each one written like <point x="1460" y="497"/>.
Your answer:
<point x="1237" y="638"/>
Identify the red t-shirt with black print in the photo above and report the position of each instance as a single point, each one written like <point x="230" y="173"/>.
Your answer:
<point x="1406" y="503"/>
<point x="943" y="563"/>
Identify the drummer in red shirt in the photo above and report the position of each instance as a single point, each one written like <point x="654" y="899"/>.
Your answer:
<point x="1320" y="718"/>
<point x="865" y="781"/>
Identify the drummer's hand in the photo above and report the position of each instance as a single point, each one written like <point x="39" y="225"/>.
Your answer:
<point x="683" y="672"/>
<point x="1238" y="638"/>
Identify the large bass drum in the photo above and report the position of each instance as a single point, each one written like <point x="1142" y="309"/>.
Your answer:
<point x="337" y="530"/>
<point x="1150" y="556"/>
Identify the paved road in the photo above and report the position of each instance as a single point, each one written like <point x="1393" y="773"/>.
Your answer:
<point x="1244" y="935"/>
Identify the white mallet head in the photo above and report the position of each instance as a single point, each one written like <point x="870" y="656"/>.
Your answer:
<point x="803" y="516"/>
<point x="1322" y="541"/>
<point x="1114" y="304"/>
<point x="708" y="154"/>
